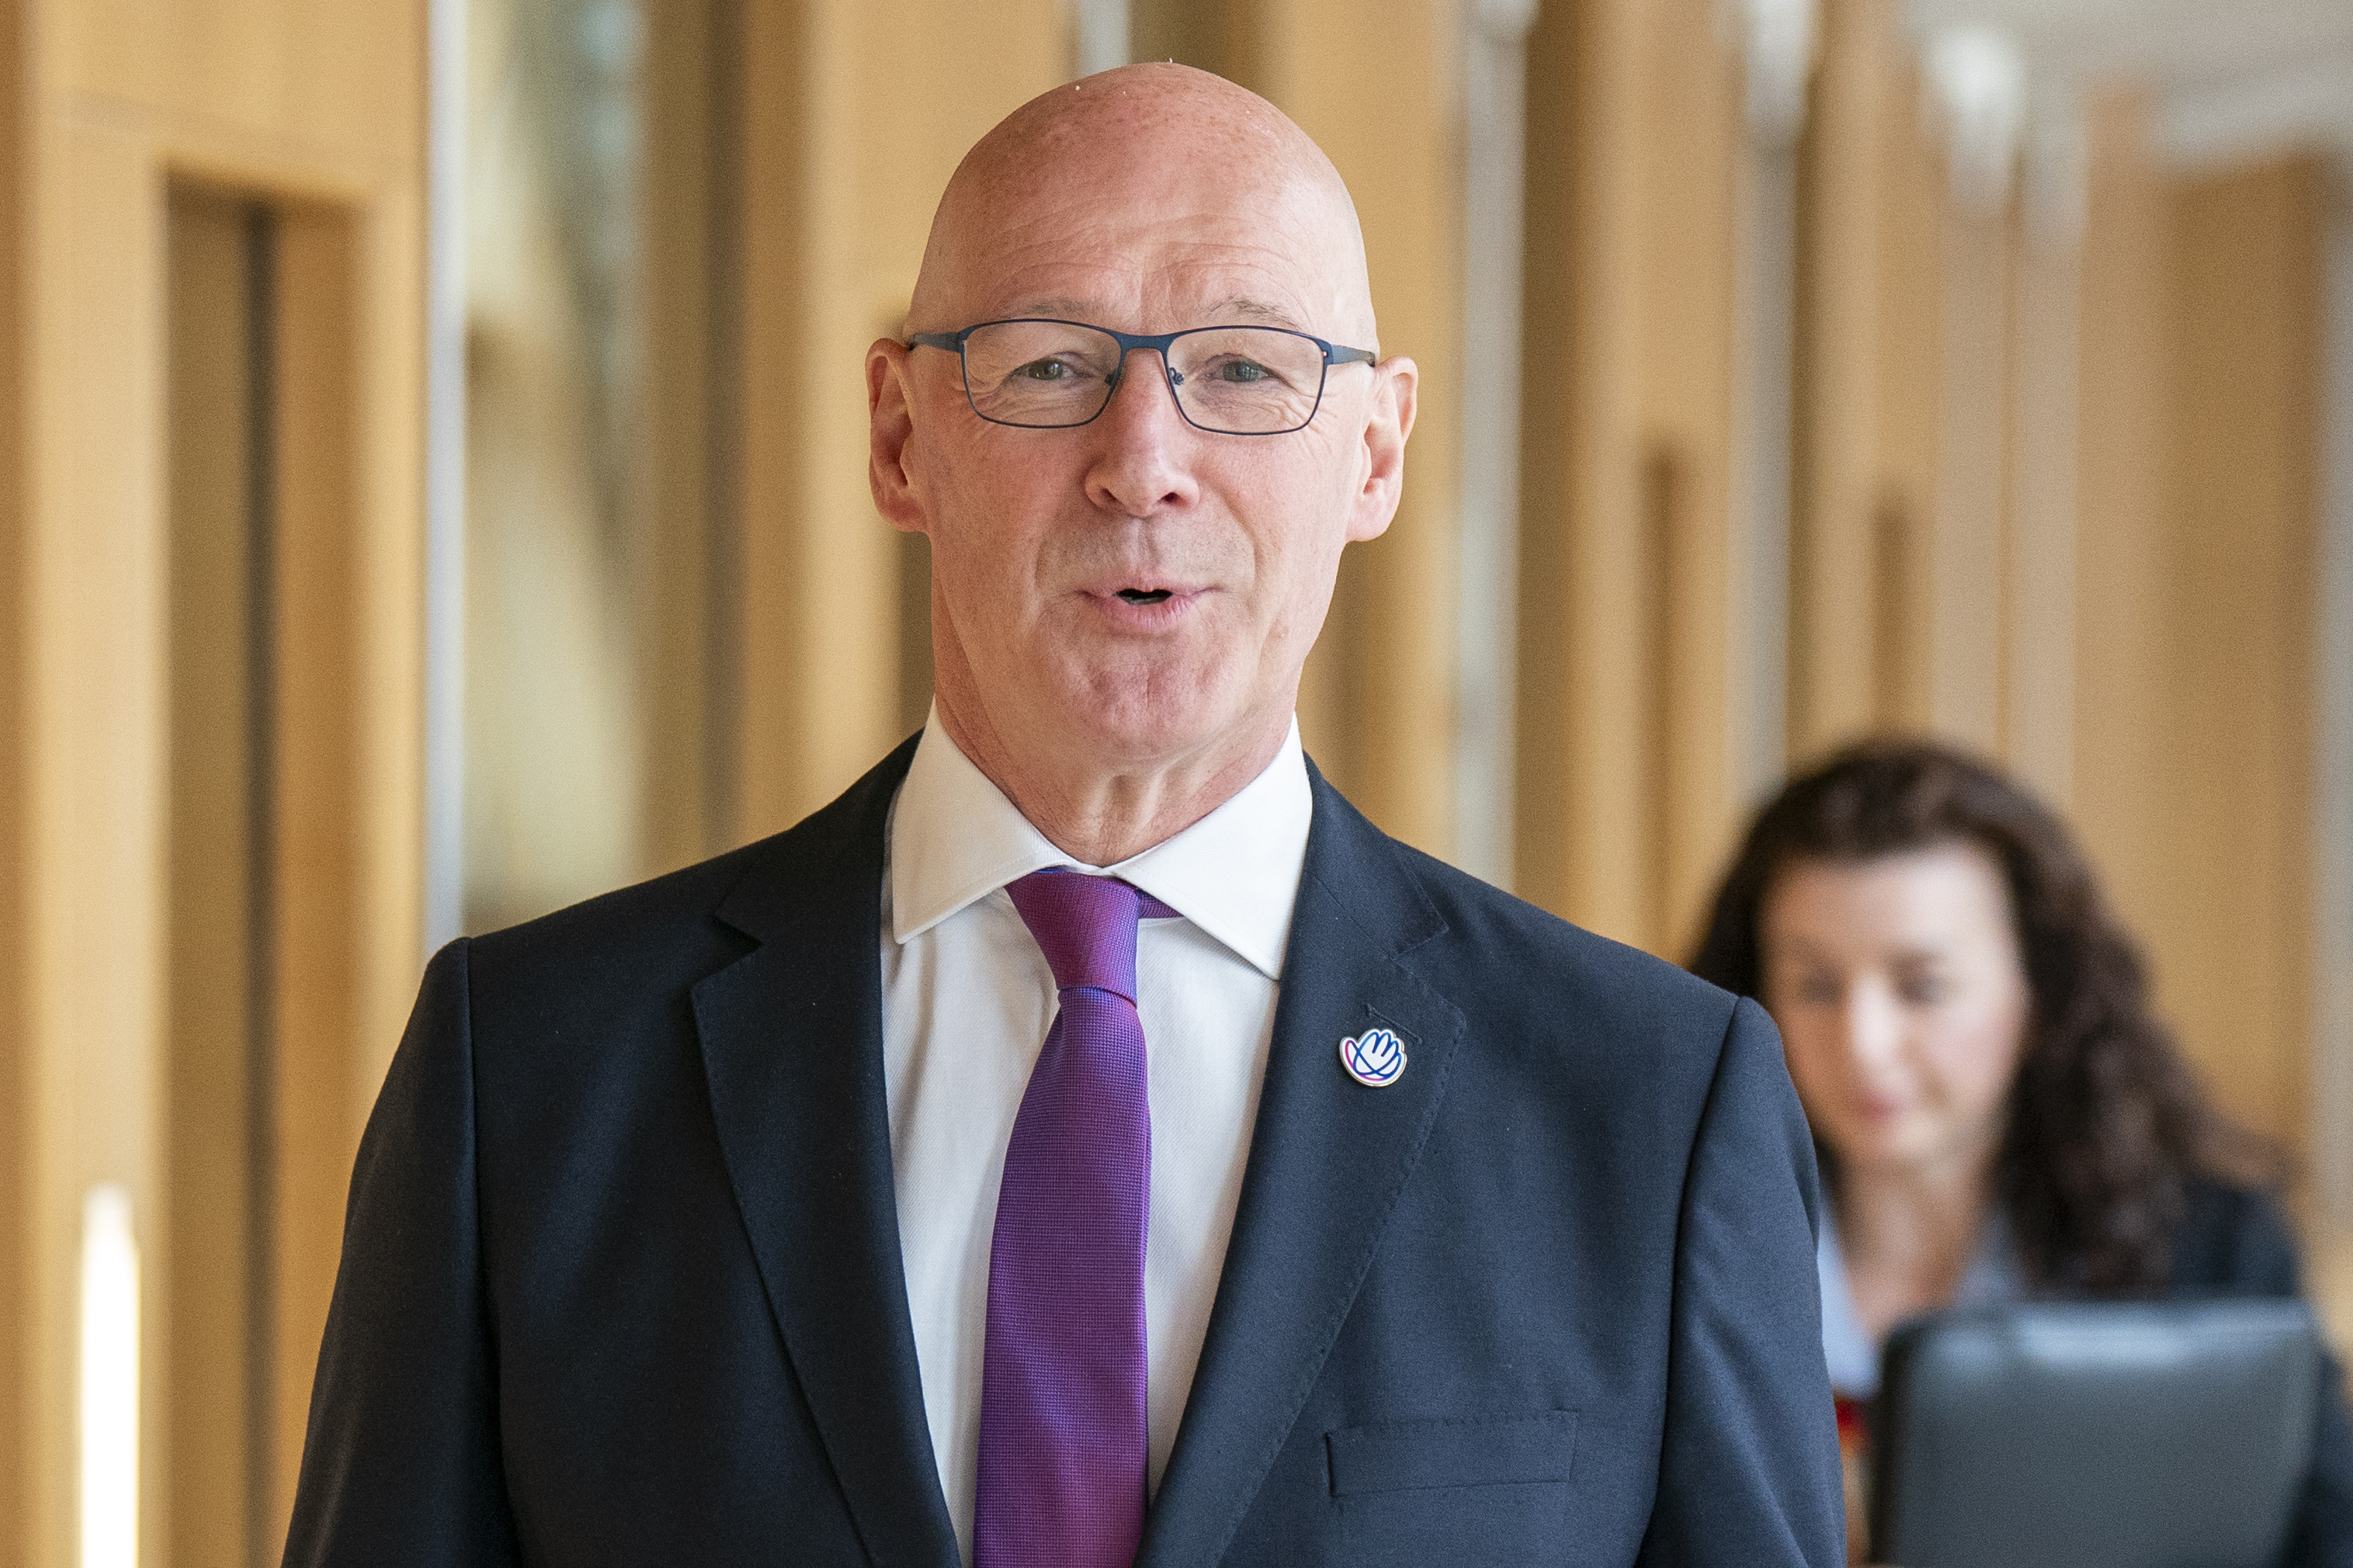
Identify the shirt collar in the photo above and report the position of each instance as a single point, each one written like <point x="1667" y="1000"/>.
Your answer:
<point x="955" y="838"/>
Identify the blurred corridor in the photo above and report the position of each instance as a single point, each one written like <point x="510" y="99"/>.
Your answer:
<point x="434" y="492"/>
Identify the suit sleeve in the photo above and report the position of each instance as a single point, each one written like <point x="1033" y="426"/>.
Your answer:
<point x="401" y="1462"/>
<point x="1748" y="1468"/>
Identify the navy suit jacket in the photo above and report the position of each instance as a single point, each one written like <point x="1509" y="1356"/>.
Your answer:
<point x="621" y="1276"/>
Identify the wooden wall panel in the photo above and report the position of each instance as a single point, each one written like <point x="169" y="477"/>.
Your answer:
<point x="1626" y="798"/>
<point x="208" y="886"/>
<point x="2231" y="927"/>
<point x="298" y="106"/>
<point x="320" y="1066"/>
<point x="338" y="82"/>
<point x="2195" y="561"/>
<point x="385" y="235"/>
<point x="2121" y="557"/>
<point x="1906" y="332"/>
<point x="1968" y="534"/>
<point x="2039" y="590"/>
<point x="1843" y="277"/>
<point x="1901" y="534"/>
<point x="1386" y="664"/>
<point x="18" y="1345"/>
<point x="772" y="178"/>
<point x="1579" y="850"/>
<point x="1692" y="142"/>
<point x="1870" y="267"/>
<point x="686" y="608"/>
<point x="97" y="736"/>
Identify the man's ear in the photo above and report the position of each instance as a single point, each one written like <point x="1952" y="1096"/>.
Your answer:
<point x="890" y="429"/>
<point x="1388" y="423"/>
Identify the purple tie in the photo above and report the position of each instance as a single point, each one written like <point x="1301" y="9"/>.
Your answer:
<point x="1062" y="1392"/>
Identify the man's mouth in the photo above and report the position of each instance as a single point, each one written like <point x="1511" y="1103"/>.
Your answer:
<point x="1143" y="595"/>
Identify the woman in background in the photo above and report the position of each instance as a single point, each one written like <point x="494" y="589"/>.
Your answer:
<point x="1997" y="1112"/>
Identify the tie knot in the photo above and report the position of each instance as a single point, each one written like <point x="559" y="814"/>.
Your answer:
<point x="1085" y="926"/>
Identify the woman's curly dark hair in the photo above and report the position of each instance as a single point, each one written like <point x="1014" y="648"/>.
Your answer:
<point x="2108" y="1125"/>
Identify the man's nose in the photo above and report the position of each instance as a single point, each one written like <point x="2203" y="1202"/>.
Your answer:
<point x="1142" y="464"/>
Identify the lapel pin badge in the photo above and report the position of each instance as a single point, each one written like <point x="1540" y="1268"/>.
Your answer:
<point x="1375" y="1058"/>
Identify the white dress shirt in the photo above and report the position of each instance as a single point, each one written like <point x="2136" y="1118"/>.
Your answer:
<point x="1994" y="1277"/>
<point x="967" y="1001"/>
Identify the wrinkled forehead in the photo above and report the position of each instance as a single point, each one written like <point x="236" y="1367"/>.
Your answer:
<point x="1159" y="260"/>
<point x="1148" y="220"/>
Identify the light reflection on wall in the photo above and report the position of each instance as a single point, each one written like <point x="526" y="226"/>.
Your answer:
<point x="109" y="1381"/>
<point x="555" y="749"/>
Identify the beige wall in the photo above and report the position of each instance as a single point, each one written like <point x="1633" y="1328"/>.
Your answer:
<point x="2194" y="755"/>
<point x="2121" y="761"/>
<point x="18" y="1274"/>
<point x="1864" y="514"/>
<point x="316" y="111"/>
<point x="1380" y="702"/>
<point x="1625" y="792"/>
<point x="2231" y="923"/>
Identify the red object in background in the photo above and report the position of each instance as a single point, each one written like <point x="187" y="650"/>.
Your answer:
<point x="1854" y="1460"/>
<point x="1854" y="1424"/>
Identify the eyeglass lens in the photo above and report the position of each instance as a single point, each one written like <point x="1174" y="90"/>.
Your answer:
<point x="1242" y="380"/>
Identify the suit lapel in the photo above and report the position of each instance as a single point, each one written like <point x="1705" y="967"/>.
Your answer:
<point x="1328" y="1160"/>
<point x="792" y="1042"/>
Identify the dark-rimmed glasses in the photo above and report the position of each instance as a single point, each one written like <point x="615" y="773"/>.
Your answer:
<point x="1037" y="373"/>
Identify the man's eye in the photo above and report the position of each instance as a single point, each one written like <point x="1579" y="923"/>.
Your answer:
<point x="1242" y="370"/>
<point x="1044" y="370"/>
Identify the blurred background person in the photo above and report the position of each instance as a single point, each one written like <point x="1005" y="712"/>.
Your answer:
<point x="1997" y="1112"/>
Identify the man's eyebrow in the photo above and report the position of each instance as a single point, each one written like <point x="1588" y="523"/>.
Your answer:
<point x="1060" y="308"/>
<point x="1259" y="310"/>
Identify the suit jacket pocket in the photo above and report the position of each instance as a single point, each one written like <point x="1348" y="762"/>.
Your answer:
<point x="1476" y="1451"/>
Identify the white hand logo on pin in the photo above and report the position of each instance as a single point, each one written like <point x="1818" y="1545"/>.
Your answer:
<point x="1375" y="1058"/>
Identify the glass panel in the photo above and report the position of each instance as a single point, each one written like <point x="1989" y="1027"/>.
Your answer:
<point x="589" y="629"/>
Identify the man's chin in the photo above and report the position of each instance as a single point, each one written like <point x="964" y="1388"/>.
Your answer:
<point x="1153" y="720"/>
<point x="1145" y="738"/>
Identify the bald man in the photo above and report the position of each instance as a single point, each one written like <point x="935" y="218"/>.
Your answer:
<point x="1088" y="1140"/>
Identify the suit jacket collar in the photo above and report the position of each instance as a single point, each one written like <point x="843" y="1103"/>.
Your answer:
<point x="792" y="1045"/>
<point x="1328" y="1158"/>
<point x="792" y="1042"/>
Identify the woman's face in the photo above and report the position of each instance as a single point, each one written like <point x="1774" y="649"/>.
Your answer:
<point x="1902" y="1002"/>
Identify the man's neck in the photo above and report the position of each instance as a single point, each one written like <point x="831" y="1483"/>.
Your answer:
<point x="1101" y="816"/>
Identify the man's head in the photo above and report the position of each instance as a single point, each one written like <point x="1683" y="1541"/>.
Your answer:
<point x="1135" y="593"/>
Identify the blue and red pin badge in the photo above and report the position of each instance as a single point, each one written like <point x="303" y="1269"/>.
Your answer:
<point x="1375" y="1058"/>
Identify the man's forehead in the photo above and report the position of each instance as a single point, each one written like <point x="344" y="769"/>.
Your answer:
<point x="1144" y="273"/>
<point x="1229" y="309"/>
<point x="1150" y="192"/>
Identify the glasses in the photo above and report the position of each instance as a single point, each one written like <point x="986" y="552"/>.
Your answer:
<point x="1233" y="381"/>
